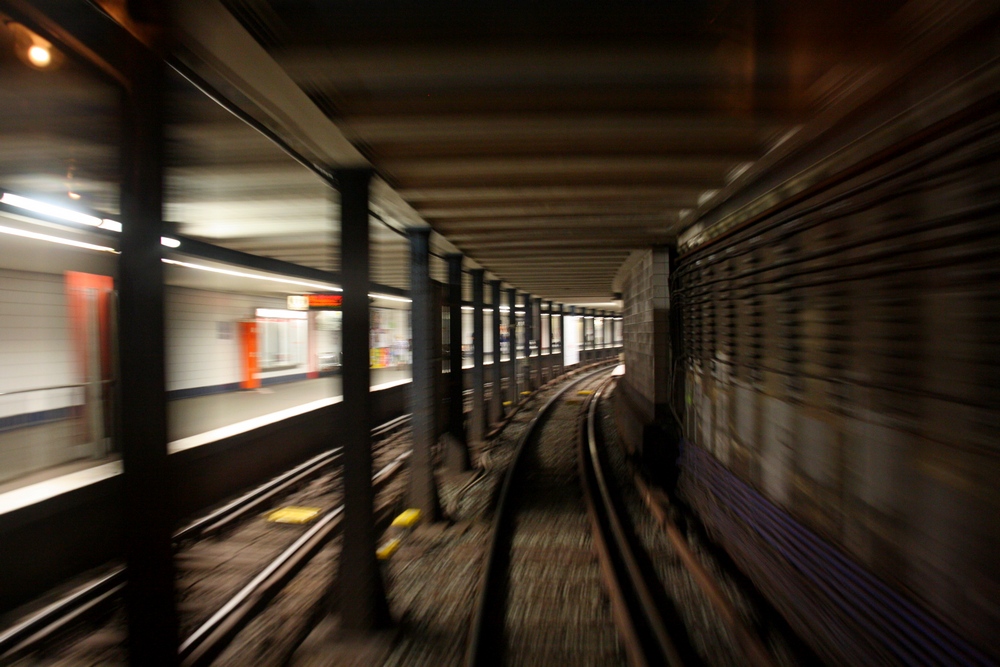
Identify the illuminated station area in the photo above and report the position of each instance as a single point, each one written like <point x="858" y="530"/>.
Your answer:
<point x="490" y="333"/>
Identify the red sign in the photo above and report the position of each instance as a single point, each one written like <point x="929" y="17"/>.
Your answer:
<point x="325" y="301"/>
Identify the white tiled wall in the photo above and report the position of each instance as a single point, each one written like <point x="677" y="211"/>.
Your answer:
<point x="36" y="349"/>
<point x="203" y="340"/>
<point x="36" y="352"/>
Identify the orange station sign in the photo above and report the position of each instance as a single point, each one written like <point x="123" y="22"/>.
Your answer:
<point x="321" y="301"/>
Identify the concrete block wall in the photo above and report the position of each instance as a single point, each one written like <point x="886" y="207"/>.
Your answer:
<point x="643" y="392"/>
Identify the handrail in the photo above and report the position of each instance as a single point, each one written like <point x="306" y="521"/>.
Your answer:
<point x="62" y="386"/>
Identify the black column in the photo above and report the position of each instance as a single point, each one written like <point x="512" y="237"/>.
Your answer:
<point x="496" y="396"/>
<point x="528" y="337"/>
<point x="562" y="338"/>
<point x="363" y="603"/>
<point x="477" y="422"/>
<point x="148" y="505"/>
<point x="589" y="332"/>
<point x="600" y="343"/>
<point x="513" y="385"/>
<point x="536" y="316"/>
<point x="422" y="492"/>
<point x="456" y="452"/>
<point x="579" y="353"/>
<point x="550" y="362"/>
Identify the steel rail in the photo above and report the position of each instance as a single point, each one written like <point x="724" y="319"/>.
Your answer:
<point x="215" y="634"/>
<point x="491" y="604"/>
<point x="648" y="641"/>
<point x="25" y="636"/>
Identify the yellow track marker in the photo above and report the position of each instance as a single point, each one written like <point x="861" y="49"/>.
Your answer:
<point x="407" y="519"/>
<point x="506" y="404"/>
<point x="297" y="515"/>
<point x="525" y="393"/>
<point x="585" y="392"/>
<point x="387" y="549"/>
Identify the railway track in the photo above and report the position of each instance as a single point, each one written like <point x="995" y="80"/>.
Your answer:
<point x="541" y="581"/>
<point x="223" y="604"/>
<point x="571" y="579"/>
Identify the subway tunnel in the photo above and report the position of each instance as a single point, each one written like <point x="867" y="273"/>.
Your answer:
<point x="239" y="236"/>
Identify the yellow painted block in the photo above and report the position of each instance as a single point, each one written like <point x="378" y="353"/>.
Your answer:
<point x="525" y="393"/>
<point x="506" y="404"/>
<point x="387" y="549"/>
<point x="407" y="519"/>
<point x="294" y="514"/>
<point x="585" y="392"/>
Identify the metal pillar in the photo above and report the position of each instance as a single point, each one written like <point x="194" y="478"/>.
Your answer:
<point x="579" y="349"/>
<point x="548" y="344"/>
<point x="148" y="506"/>
<point x="528" y="336"/>
<point x="600" y="342"/>
<point x="456" y="451"/>
<point x="513" y="390"/>
<point x="593" y="334"/>
<point x="536" y="316"/>
<point x="422" y="493"/>
<point x="588" y="332"/>
<point x="496" y="396"/>
<point x="362" y="594"/>
<point x="562" y="338"/>
<point x="477" y="422"/>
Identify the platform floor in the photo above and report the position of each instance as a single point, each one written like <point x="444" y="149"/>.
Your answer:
<point x="191" y="416"/>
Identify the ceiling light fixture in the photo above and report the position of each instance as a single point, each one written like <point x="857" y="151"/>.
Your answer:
<point x="49" y="209"/>
<point x="169" y="242"/>
<point x="39" y="55"/>
<point x="55" y="239"/>
<point x="391" y="298"/>
<point x="252" y="276"/>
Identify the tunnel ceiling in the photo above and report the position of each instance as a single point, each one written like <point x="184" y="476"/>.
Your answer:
<point x="547" y="143"/>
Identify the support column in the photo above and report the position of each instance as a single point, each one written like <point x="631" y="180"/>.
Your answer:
<point x="528" y="336"/>
<point x="600" y="342"/>
<point x="456" y="451"/>
<point x="588" y="340"/>
<point x="562" y="338"/>
<point x="477" y="423"/>
<point x="547" y="343"/>
<point x="148" y="505"/>
<point x="536" y="316"/>
<point x="579" y="338"/>
<point x="363" y="604"/>
<point x="496" y="396"/>
<point x="513" y="388"/>
<point x="422" y="493"/>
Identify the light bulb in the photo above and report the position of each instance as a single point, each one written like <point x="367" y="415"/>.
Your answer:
<point x="39" y="56"/>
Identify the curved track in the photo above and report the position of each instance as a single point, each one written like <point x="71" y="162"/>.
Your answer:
<point x="539" y="600"/>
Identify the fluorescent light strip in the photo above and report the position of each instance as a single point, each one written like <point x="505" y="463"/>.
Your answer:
<point x="55" y="239"/>
<point x="169" y="242"/>
<point x="252" y="276"/>
<point x="49" y="209"/>
<point x="276" y="313"/>
<point x="391" y="298"/>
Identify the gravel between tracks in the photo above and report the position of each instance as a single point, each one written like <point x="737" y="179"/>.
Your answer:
<point x="709" y="635"/>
